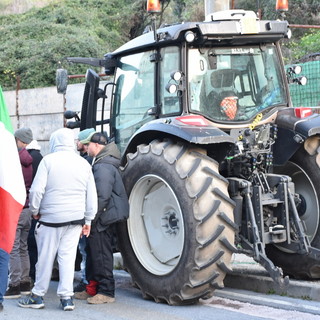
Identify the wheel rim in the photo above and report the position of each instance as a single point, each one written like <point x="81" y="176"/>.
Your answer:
<point x="155" y="227"/>
<point x="309" y="214"/>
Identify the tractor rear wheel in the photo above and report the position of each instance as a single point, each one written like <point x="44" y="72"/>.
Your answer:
<point x="305" y="173"/>
<point x="178" y="241"/>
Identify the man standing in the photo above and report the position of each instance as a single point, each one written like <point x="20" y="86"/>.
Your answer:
<point x="83" y="149"/>
<point x="19" y="265"/>
<point x="25" y="139"/>
<point x="113" y="206"/>
<point x="62" y="197"/>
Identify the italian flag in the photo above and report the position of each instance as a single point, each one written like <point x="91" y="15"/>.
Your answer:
<point x="12" y="188"/>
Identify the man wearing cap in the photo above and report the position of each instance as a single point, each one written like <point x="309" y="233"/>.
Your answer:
<point x="113" y="206"/>
<point x="19" y="263"/>
<point x="24" y="138"/>
<point x="83" y="150"/>
<point x="83" y="147"/>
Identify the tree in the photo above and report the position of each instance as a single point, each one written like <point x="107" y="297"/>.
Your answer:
<point x="301" y="12"/>
<point x="35" y="43"/>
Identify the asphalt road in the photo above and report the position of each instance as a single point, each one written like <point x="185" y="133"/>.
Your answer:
<point x="130" y="305"/>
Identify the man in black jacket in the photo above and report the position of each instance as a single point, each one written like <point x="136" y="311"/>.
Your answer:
<point x="113" y="206"/>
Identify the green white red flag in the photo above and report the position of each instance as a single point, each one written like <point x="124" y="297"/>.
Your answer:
<point x="12" y="188"/>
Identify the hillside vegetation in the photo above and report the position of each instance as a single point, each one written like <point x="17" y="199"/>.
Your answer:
<point x="21" y="6"/>
<point x="35" y="42"/>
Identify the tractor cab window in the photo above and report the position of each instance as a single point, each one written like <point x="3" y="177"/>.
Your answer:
<point x="234" y="84"/>
<point x="133" y="96"/>
<point x="170" y="61"/>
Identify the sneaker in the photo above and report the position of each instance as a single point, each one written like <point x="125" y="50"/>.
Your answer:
<point x="80" y="287"/>
<point x="25" y="287"/>
<point x="100" y="298"/>
<point x="12" y="292"/>
<point x="31" y="301"/>
<point x="67" y="304"/>
<point x="83" y="295"/>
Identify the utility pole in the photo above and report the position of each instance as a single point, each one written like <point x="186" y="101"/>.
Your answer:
<point x="211" y="6"/>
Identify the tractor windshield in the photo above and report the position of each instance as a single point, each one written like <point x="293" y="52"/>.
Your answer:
<point x="234" y="83"/>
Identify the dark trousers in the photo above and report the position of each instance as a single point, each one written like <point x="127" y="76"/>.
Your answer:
<point x="32" y="248"/>
<point x="99" y="263"/>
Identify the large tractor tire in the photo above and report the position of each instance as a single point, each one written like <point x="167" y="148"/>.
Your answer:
<point x="305" y="173"/>
<point x="178" y="241"/>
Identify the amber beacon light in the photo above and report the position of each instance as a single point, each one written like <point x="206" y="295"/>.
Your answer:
<point x="282" y="5"/>
<point x="153" y="6"/>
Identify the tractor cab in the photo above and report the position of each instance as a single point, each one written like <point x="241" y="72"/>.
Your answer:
<point x="227" y="69"/>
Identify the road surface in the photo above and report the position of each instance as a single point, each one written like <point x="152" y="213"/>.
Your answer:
<point x="130" y="305"/>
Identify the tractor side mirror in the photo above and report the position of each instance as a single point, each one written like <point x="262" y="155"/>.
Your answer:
<point x="62" y="80"/>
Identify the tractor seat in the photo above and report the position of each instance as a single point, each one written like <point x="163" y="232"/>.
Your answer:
<point x="222" y="101"/>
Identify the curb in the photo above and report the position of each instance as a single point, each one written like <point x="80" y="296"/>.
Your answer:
<point x="273" y="301"/>
<point x="306" y="290"/>
<point x="249" y="275"/>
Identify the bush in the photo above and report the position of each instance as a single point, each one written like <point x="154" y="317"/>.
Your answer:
<point x="35" y="44"/>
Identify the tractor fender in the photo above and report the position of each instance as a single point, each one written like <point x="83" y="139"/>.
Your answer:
<point x="171" y="127"/>
<point x="294" y="132"/>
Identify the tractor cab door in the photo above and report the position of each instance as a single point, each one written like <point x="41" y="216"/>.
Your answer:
<point x="133" y="96"/>
<point x="139" y="94"/>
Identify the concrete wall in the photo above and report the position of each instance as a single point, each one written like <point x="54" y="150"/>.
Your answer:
<point x="42" y="109"/>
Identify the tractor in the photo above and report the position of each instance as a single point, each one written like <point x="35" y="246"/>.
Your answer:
<point x="215" y="159"/>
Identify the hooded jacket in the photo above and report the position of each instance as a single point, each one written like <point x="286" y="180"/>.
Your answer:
<point x="113" y="205"/>
<point x="63" y="189"/>
<point x="27" y="171"/>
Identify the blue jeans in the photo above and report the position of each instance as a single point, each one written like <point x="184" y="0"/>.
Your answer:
<point x="4" y="264"/>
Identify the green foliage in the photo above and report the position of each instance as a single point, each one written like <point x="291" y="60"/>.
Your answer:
<point x="4" y="4"/>
<point x="306" y="45"/>
<point x="301" y="12"/>
<point x="35" y="43"/>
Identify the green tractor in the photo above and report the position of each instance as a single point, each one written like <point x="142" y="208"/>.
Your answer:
<point x="215" y="159"/>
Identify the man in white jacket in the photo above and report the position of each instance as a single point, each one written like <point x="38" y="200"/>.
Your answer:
<point x="63" y="198"/>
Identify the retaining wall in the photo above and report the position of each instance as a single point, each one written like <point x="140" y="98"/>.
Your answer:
<point x="42" y="109"/>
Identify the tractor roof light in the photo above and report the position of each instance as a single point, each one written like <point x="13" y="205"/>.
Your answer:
<point x="289" y="34"/>
<point x="189" y="36"/>
<point x="282" y="5"/>
<point x="176" y="75"/>
<point x="302" y="81"/>
<point x="153" y="6"/>
<point x="171" y="87"/>
<point x="302" y="112"/>
<point x="294" y="69"/>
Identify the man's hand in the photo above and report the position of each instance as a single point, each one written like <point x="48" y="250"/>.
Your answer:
<point x="86" y="230"/>
<point x="36" y="217"/>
